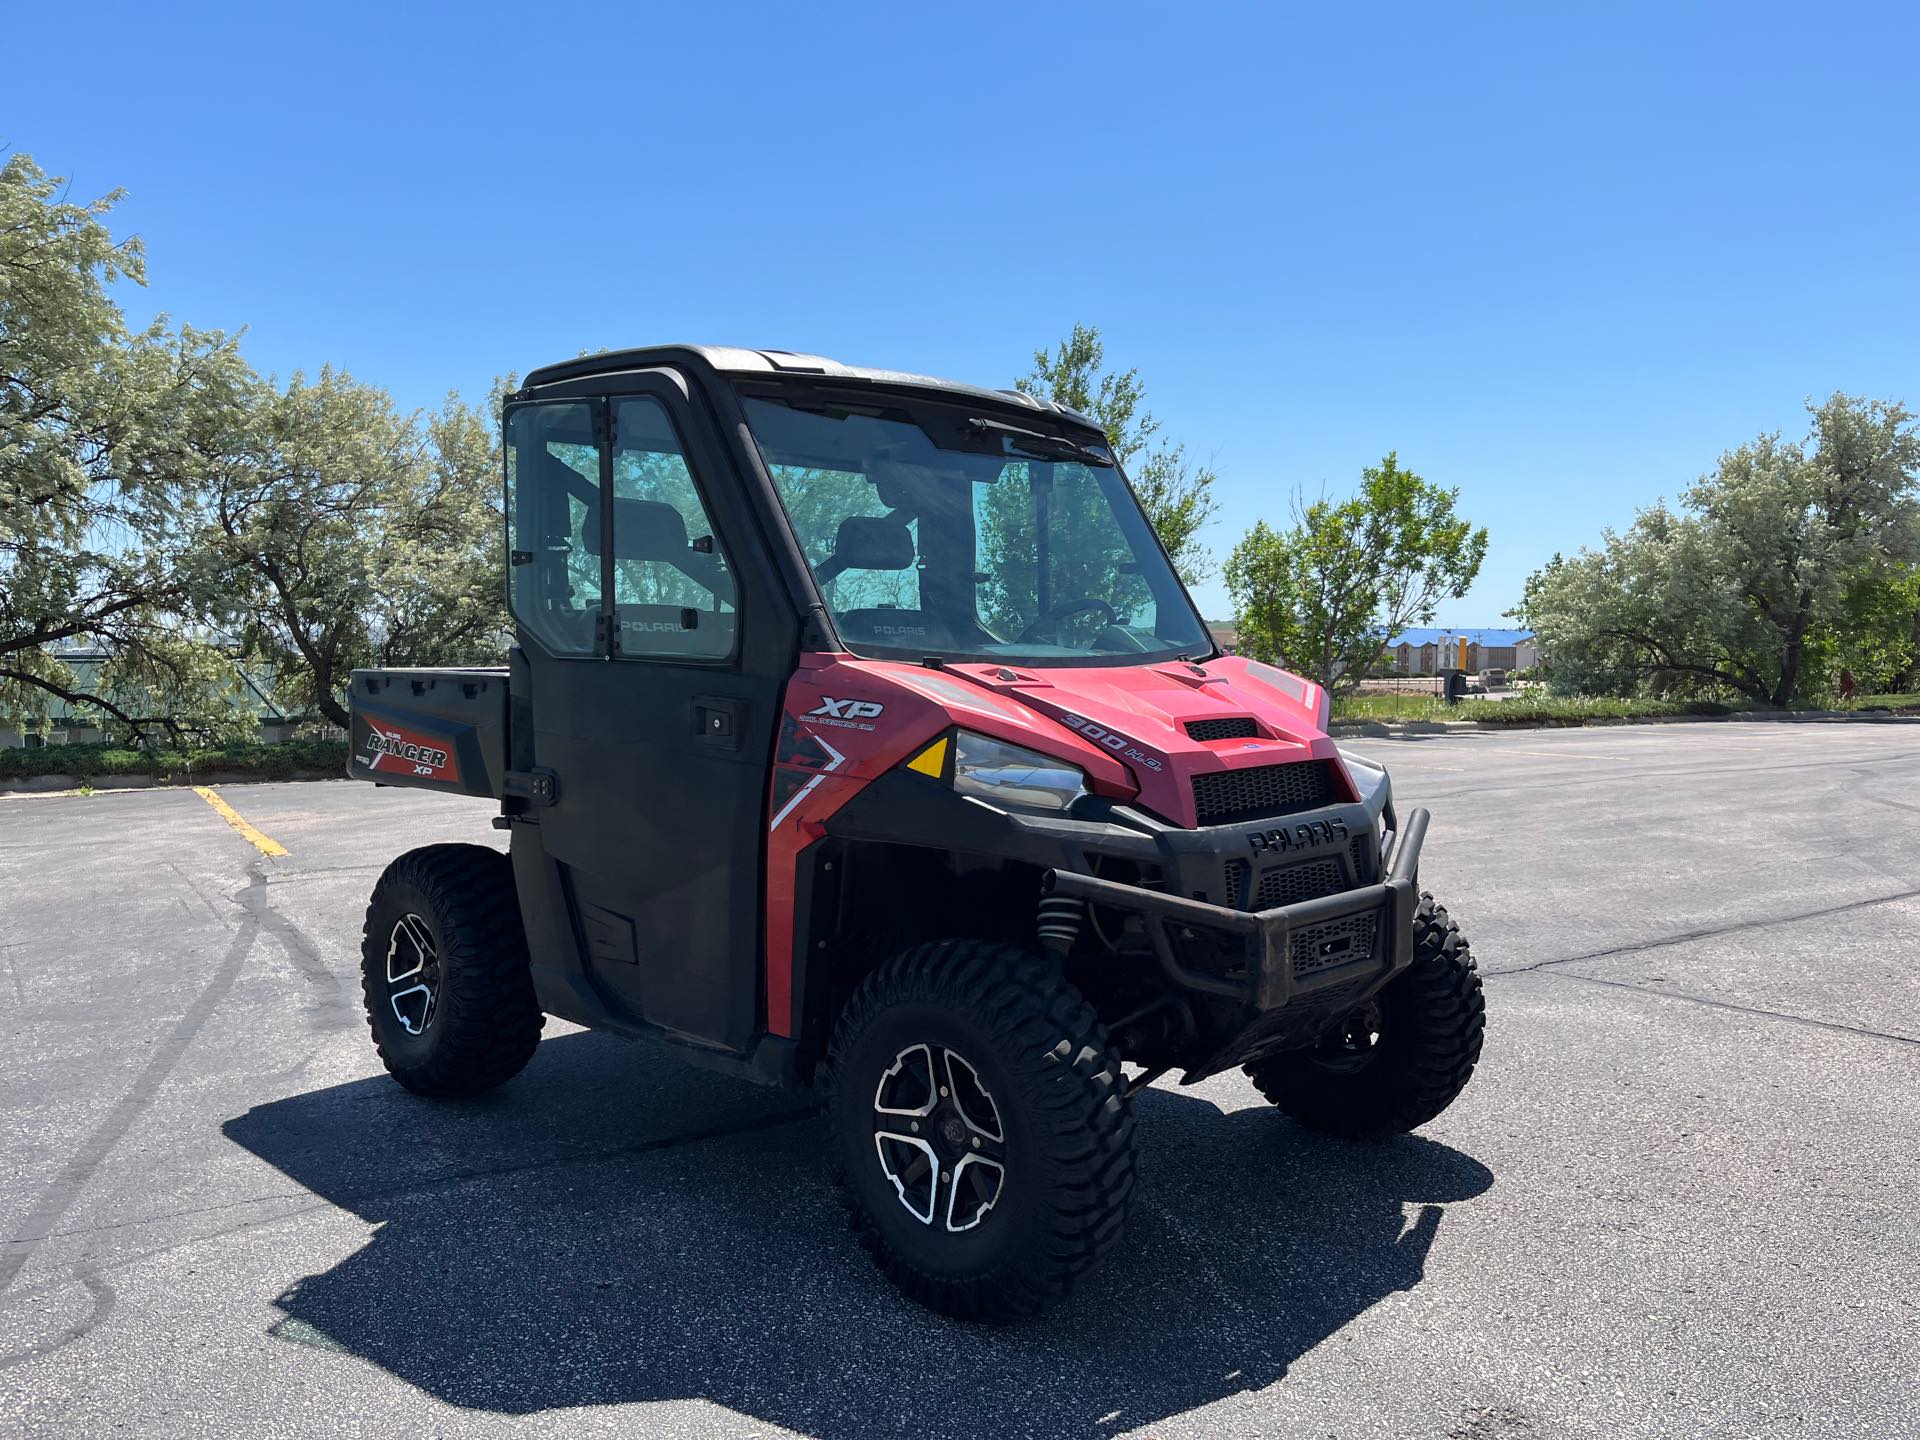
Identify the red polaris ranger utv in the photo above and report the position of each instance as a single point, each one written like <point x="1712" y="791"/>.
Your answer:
<point x="859" y="733"/>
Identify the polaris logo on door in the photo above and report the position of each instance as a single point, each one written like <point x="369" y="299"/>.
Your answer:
<point x="847" y="714"/>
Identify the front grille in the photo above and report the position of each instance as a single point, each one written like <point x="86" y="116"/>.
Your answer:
<point x="1227" y="797"/>
<point x="1227" y="727"/>
<point x="1362" y="852"/>
<point x="1297" y="883"/>
<point x="1336" y="942"/>
<point x="1308" y="881"/>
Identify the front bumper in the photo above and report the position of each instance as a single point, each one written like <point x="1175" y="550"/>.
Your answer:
<point x="1272" y="929"/>
<point x="1286" y="951"/>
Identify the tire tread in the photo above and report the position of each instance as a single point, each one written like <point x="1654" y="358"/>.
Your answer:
<point x="1079" y="1107"/>
<point x="489" y="1018"/>
<point x="1441" y="988"/>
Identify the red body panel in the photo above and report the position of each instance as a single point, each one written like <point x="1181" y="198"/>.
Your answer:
<point x="849" y="720"/>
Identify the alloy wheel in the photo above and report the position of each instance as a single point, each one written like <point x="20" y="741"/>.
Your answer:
<point x="939" y="1137"/>
<point x="413" y="973"/>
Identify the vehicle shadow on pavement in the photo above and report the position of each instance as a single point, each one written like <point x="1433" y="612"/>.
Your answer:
<point x="616" y="1227"/>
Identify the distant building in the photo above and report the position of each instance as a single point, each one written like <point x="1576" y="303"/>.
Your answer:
<point x="67" y="724"/>
<point x="1429" y="651"/>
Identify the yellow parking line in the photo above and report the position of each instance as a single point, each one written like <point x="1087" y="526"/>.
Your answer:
<point x="265" y="844"/>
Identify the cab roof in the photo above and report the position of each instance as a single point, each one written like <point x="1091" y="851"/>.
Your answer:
<point x="734" y="361"/>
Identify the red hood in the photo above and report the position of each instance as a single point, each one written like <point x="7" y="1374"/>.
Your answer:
<point x="1125" y="725"/>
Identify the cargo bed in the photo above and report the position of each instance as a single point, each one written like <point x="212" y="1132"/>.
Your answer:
<point x="432" y="728"/>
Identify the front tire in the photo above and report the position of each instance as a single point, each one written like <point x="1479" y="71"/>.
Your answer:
<point x="982" y="1136"/>
<point x="444" y="972"/>
<point x="1399" y="1060"/>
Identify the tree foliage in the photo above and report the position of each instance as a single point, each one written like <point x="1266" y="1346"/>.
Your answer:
<point x="356" y="535"/>
<point x="1789" y="560"/>
<point x="160" y="502"/>
<point x="1176" y="493"/>
<point x="101" y="466"/>
<point x="1327" y="594"/>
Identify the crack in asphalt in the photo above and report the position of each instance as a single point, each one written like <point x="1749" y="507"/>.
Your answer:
<point x="1549" y="969"/>
<point x="1705" y="933"/>
<point x="328" y="1006"/>
<point x="1577" y="767"/>
<point x="1711" y="1003"/>
<point x="419" y="1185"/>
<point x="13" y="977"/>
<point x="353" y="1199"/>
<point x="91" y="1273"/>
<point x="61" y="1192"/>
<point x="102" y="1298"/>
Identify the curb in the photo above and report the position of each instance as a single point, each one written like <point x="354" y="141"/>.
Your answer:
<point x="1406" y="729"/>
<point x="72" y="784"/>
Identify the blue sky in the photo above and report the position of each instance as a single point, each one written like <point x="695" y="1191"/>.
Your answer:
<point x="1560" y="260"/>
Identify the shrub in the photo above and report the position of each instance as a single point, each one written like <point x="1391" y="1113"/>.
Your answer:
<point x="267" y="762"/>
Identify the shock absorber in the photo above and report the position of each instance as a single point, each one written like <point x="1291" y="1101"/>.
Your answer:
<point x="1057" y="921"/>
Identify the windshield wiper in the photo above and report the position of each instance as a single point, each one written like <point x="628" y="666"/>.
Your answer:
<point x="1038" y="444"/>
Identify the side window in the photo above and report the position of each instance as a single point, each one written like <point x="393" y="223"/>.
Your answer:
<point x="673" y="590"/>
<point x="553" y="524"/>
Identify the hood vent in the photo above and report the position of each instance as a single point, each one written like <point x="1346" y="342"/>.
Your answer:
<point x="1226" y="727"/>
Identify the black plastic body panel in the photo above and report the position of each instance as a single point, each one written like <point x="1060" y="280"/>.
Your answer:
<point x="433" y="729"/>
<point x="647" y="866"/>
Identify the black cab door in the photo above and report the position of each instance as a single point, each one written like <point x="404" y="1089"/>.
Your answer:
<point x="651" y="662"/>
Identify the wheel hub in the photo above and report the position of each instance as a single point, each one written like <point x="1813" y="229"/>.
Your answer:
<point x="1351" y="1042"/>
<point x="939" y="1139"/>
<point x="413" y="973"/>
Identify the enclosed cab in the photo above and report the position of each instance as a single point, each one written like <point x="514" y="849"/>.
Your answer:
<point x="859" y="733"/>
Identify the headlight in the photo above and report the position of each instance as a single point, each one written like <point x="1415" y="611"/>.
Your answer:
<point x="1012" y="776"/>
<point x="1368" y="775"/>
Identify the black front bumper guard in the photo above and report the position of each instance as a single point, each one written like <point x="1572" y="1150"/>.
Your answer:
<point x="1267" y="982"/>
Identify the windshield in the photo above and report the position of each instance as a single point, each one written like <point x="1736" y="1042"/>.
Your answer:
<point x="944" y="534"/>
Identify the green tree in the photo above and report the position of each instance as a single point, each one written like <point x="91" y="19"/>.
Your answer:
<point x="1877" y="634"/>
<point x="357" y="535"/>
<point x="102" y="469"/>
<point x="1176" y="493"/>
<point x="1327" y="594"/>
<point x="1776" y="569"/>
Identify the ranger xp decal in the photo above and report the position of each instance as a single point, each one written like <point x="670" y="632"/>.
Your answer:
<point x="410" y="754"/>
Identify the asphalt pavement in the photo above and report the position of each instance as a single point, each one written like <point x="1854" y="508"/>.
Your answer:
<point x="1678" y="1198"/>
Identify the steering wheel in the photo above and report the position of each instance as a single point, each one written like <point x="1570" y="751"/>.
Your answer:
<point x="1049" y="623"/>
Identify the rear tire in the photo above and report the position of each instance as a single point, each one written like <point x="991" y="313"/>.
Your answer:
<point x="444" y="972"/>
<point x="1397" y="1062"/>
<point x="989" y="1197"/>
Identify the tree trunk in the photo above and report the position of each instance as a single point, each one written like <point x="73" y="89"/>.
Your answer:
<point x="1795" y="652"/>
<point x="332" y="708"/>
<point x="1910" y="673"/>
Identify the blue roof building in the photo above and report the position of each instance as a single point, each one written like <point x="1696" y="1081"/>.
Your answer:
<point x="1484" y="637"/>
<point x="1430" y="649"/>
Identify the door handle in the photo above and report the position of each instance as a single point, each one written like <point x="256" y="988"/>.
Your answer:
<point x="718" y="720"/>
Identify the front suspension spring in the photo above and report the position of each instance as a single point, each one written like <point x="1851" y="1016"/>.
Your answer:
<point x="1057" y="921"/>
